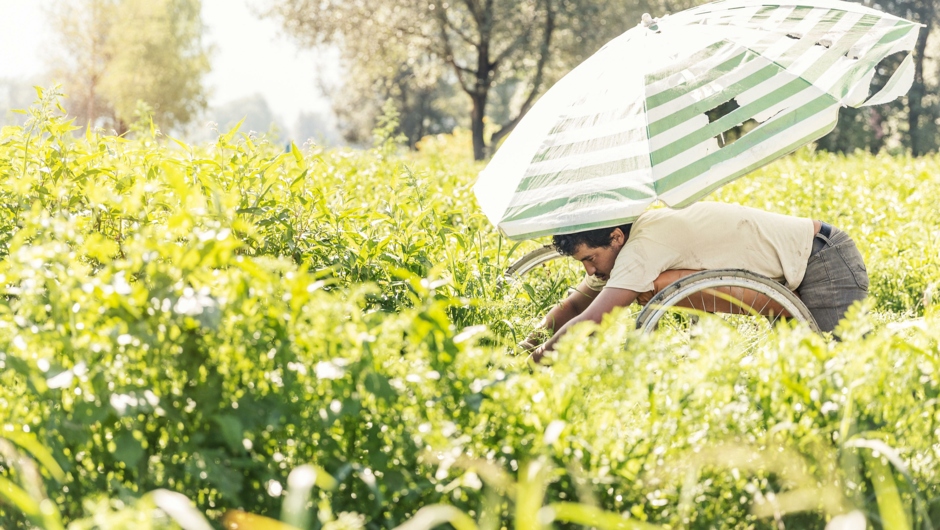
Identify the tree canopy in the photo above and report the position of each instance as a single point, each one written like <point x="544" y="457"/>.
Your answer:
<point x="476" y="45"/>
<point x="114" y="54"/>
<point x="500" y="55"/>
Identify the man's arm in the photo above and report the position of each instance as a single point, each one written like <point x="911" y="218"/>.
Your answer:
<point x="606" y="301"/>
<point x="572" y="306"/>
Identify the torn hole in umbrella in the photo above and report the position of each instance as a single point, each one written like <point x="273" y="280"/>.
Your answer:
<point x="880" y="77"/>
<point x="886" y="68"/>
<point x="874" y="84"/>
<point x="733" y="134"/>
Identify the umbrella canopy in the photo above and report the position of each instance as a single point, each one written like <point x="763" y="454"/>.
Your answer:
<point x="644" y="118"/>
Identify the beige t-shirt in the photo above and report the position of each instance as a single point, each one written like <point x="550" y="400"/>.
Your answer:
<point x="711" y="235"/>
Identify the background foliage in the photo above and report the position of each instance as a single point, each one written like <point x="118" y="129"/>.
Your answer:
<point x="109" y="70"/>
<point x="322" y="336"/>
<point x="502" y="55"/>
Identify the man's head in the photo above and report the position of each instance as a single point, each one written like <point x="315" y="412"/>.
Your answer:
<point x="596" y="249"/>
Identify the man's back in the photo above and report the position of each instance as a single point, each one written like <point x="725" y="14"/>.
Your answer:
<point x="711" y="235"/>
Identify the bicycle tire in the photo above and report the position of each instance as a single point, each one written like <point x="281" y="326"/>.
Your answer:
<point x="668" y="298"/>
<point x="526" y="263"/>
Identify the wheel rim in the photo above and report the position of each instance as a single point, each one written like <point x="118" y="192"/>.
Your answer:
<point x="664" y="303"/>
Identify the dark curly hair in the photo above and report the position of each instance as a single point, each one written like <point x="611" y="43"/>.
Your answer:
<point x="566" y="244"/>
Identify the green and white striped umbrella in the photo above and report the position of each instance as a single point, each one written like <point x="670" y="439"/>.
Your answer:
<point x="641" y="120"/>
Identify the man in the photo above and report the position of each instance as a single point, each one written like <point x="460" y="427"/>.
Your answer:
<point x="626" y="263"/>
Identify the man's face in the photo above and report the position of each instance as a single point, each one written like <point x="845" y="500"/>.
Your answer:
<point x="599" y="261"/>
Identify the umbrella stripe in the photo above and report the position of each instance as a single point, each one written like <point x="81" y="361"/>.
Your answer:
<point x="682" y="87"/>
<point x="812" y="71"/>
<point x="689" y="141"/>
<point x="603" y="128"/>
<point x="792" y="16"/>
<point x="863" y="65"/>
<point x="770" y="13"/>
<point x="829" y="80"/>
<point x="603" y="102"/>
<point x="641" y="180"/>
<point x="718" y="86"/>
<point x="614" y="153"/>
<point x="580" y="174"/>
<point x="899" y="81"/>
<point x="883" y="33"/>
<point x="560" y="205"/>
<point x="659" y="126"/>
<point x="551" y="222"/>
<point x="764" y="133"/>
<point x="695" y="58"/>
<point x="679" y="131"/>
<point x="714" y="14"/>
<point x="777" y="41"/>
<point x="798" y="14"/>
<point x="829" y="20"/>
<point x="581" y="149"/>
<point x="572" y="121"/>
<point x="788" y="90"/>
<point x="817" y="132"/>
<point x="555" y="227"/>
<point x="781" y="17"/>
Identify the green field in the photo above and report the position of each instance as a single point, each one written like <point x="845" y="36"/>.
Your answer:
<point x="321" y="337"/>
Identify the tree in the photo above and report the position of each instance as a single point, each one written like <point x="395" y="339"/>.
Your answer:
<point x="482" y="44"/>
<point x="316" y="127"/>
<point x="83" y="28"/>
<point x="116" y="53"/>
<point x="253" y="112"/>
<point x="910" y="122"/>
<point x="425" y="103"/>
<point x="921" y="116"/>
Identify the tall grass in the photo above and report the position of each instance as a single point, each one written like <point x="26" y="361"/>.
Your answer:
<point x="320" y="337"/>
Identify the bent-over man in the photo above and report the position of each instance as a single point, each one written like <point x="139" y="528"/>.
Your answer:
<point x="631" y="262"/>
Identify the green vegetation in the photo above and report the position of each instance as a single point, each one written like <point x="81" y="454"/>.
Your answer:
<point x="320" y="337"/>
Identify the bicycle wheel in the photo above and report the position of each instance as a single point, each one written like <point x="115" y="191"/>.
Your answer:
<point x="743" y="298"/>
<point x="540" y="279"/>
<point x="523" y="265"/>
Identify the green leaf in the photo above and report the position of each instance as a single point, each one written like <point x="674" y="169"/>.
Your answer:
<point x="180" y="509"/>
<point x="378" y="385"/>
<point x="529" y="291"/>
<point x="232" y="431"/>
<point x="437" y="514"/>
<point x="894" y="515"/>
<point x="30" y="443"/>
<point x="128" y="449"/>
<point x="300" y="178"/>
<point x="19" y="499"/>
<point x="591" y="516"/>
<point x="296" y="152"/>
<point x="227" y="137"/>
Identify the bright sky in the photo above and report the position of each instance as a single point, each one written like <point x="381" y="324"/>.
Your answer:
<point x="21" y="32"/>
<point x="252" y="55"/>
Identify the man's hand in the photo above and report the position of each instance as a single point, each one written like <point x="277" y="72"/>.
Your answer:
<point x="528" y="345"/>
<point x="536" y="356"/>
<point x="605" y="302"/>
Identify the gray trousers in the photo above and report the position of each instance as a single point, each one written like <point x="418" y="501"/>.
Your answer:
<point x="835" y="278"/>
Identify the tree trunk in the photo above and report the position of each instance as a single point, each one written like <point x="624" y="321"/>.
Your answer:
<point x="90" y="110"/>
<point x="915" y="97"/>
<point x="476" y="125"/>
<point x="876" y="140"/>
<point x="536" y="80"/>
<point x="481" y="90"/>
